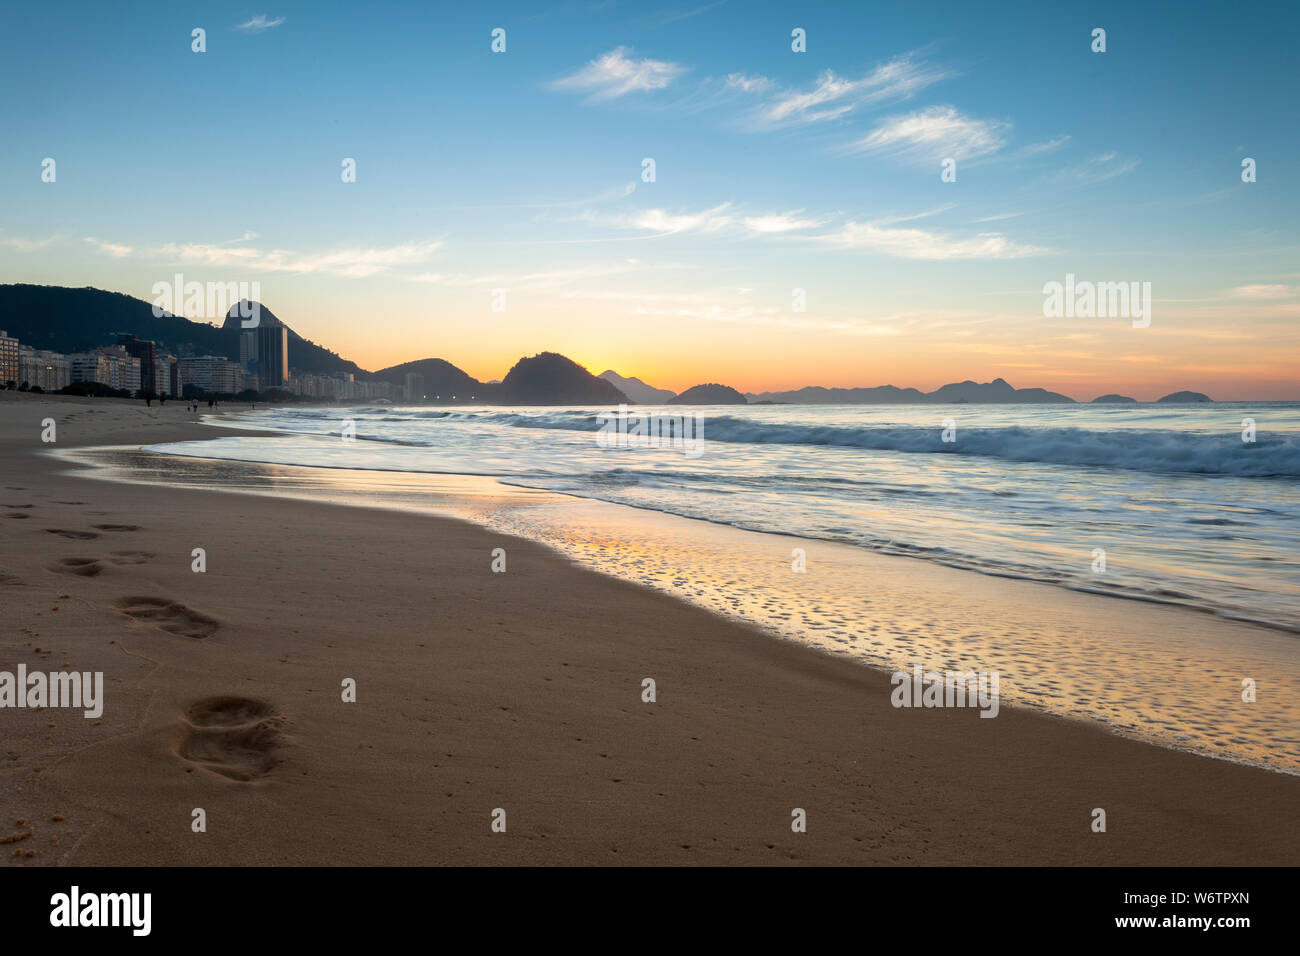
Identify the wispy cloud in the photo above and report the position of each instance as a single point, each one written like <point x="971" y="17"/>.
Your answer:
<point x="612" y="194"/>
<point x="664" y="17"/>
<point x="1099" y="168"/>
<point x="746" y="83"/>
<point x="540" y="279"/>
<point x="111" y="248"/>
<point x="937" y="210"/>
<point x="833" y="96"/>
<point x="1262" y="291"/>
<point x="352" y="262"/>
<point x="782" y="222"/>
<point x="26" y="245"/>
<point x="668" y="223"/>
<point x="936" y="132"/>
<point x="259" y="23"/>
<point x="1047" y="146"/>
<point x="617" y="73"/>
<point x="923" y="244"/>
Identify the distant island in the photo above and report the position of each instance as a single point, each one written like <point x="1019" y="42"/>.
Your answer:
<point x="178" y="356"/>
<point x="998" y="391"/>
<point x="710" y="394"/>
<point x="1184" y="398"/>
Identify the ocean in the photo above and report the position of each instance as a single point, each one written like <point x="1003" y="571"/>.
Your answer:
<point x="1163" y="503"/>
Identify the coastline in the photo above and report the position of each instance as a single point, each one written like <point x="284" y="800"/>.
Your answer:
<point x="518" y="690"/>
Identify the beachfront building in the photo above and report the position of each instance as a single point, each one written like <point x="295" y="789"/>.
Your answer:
<point x="177" y="380"/>
<point x="147" y="353"/>
<point x="10" y="367"/>
<point x="342" y="387"/>
<point x="48" y="371"/>
<point x="166" y="375"/>
<point x="213" y="373"/>
<point x="264" y="352"/>
<point x="108" y="365"/>
<point x="273" y="354"/>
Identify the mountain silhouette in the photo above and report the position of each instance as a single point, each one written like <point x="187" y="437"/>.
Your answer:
<point x="441" y="379"/>
<point x="549" y="378"/>
<point x="998" y="391"/>
<point x="64" y="319"/>
<point x="710" y="394"/>
<point x="636" y="389"/>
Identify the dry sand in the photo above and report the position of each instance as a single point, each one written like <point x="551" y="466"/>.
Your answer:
<point x="478" y="691"/>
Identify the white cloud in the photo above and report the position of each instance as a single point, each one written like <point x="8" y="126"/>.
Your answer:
<point x="748" y="84"/>
<point x="616" y="74"/>
<point x="662" y="221"/>
<point x="113" y="249"/>
<point x="782" y="222"/>
<point x="833" y="96"/>
<point x="355" y="262"/>
<point x="936" y="132"/>
<point x="25" y="245"/>
<point x="1262" y="291"/>
<point x="923" y="244"/>
<point x="259" y="23"/>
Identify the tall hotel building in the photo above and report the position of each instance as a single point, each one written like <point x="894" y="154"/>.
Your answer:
<point x="264" y="352"/>
<point x="147" y="354"/>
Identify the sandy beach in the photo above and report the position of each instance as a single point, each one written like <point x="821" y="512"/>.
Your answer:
<point x="521" y="691"/>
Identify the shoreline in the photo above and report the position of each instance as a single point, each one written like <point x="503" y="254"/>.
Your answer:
<point x="497" y="491"/>
<point x="744" y="729"/>
<point x="1177" y="637"/>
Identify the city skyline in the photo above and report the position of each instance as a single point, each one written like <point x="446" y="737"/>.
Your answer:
<point x="774" y="171"/>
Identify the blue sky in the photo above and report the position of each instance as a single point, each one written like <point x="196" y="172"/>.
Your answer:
<point x="775" y="170"/>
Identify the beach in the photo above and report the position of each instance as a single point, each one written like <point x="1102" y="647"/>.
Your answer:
<point x="521" y="692"/>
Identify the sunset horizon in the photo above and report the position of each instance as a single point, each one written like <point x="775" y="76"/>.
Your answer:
<point x="623" y="189"/>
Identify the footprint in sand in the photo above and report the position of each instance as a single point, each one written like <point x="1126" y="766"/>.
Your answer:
<point x="132" y="557"/>
<point x="74" y="535"/>
<point x="83" y="567"/>
<point x="236" y="737"/>
<point x="117" y="527"/>
<point x="171" y="616"/>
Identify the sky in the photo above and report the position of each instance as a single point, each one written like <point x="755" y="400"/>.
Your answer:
<point x="517" y="179"/>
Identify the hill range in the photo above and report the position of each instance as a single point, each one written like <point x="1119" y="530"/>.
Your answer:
<point x="63" y="319"/>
